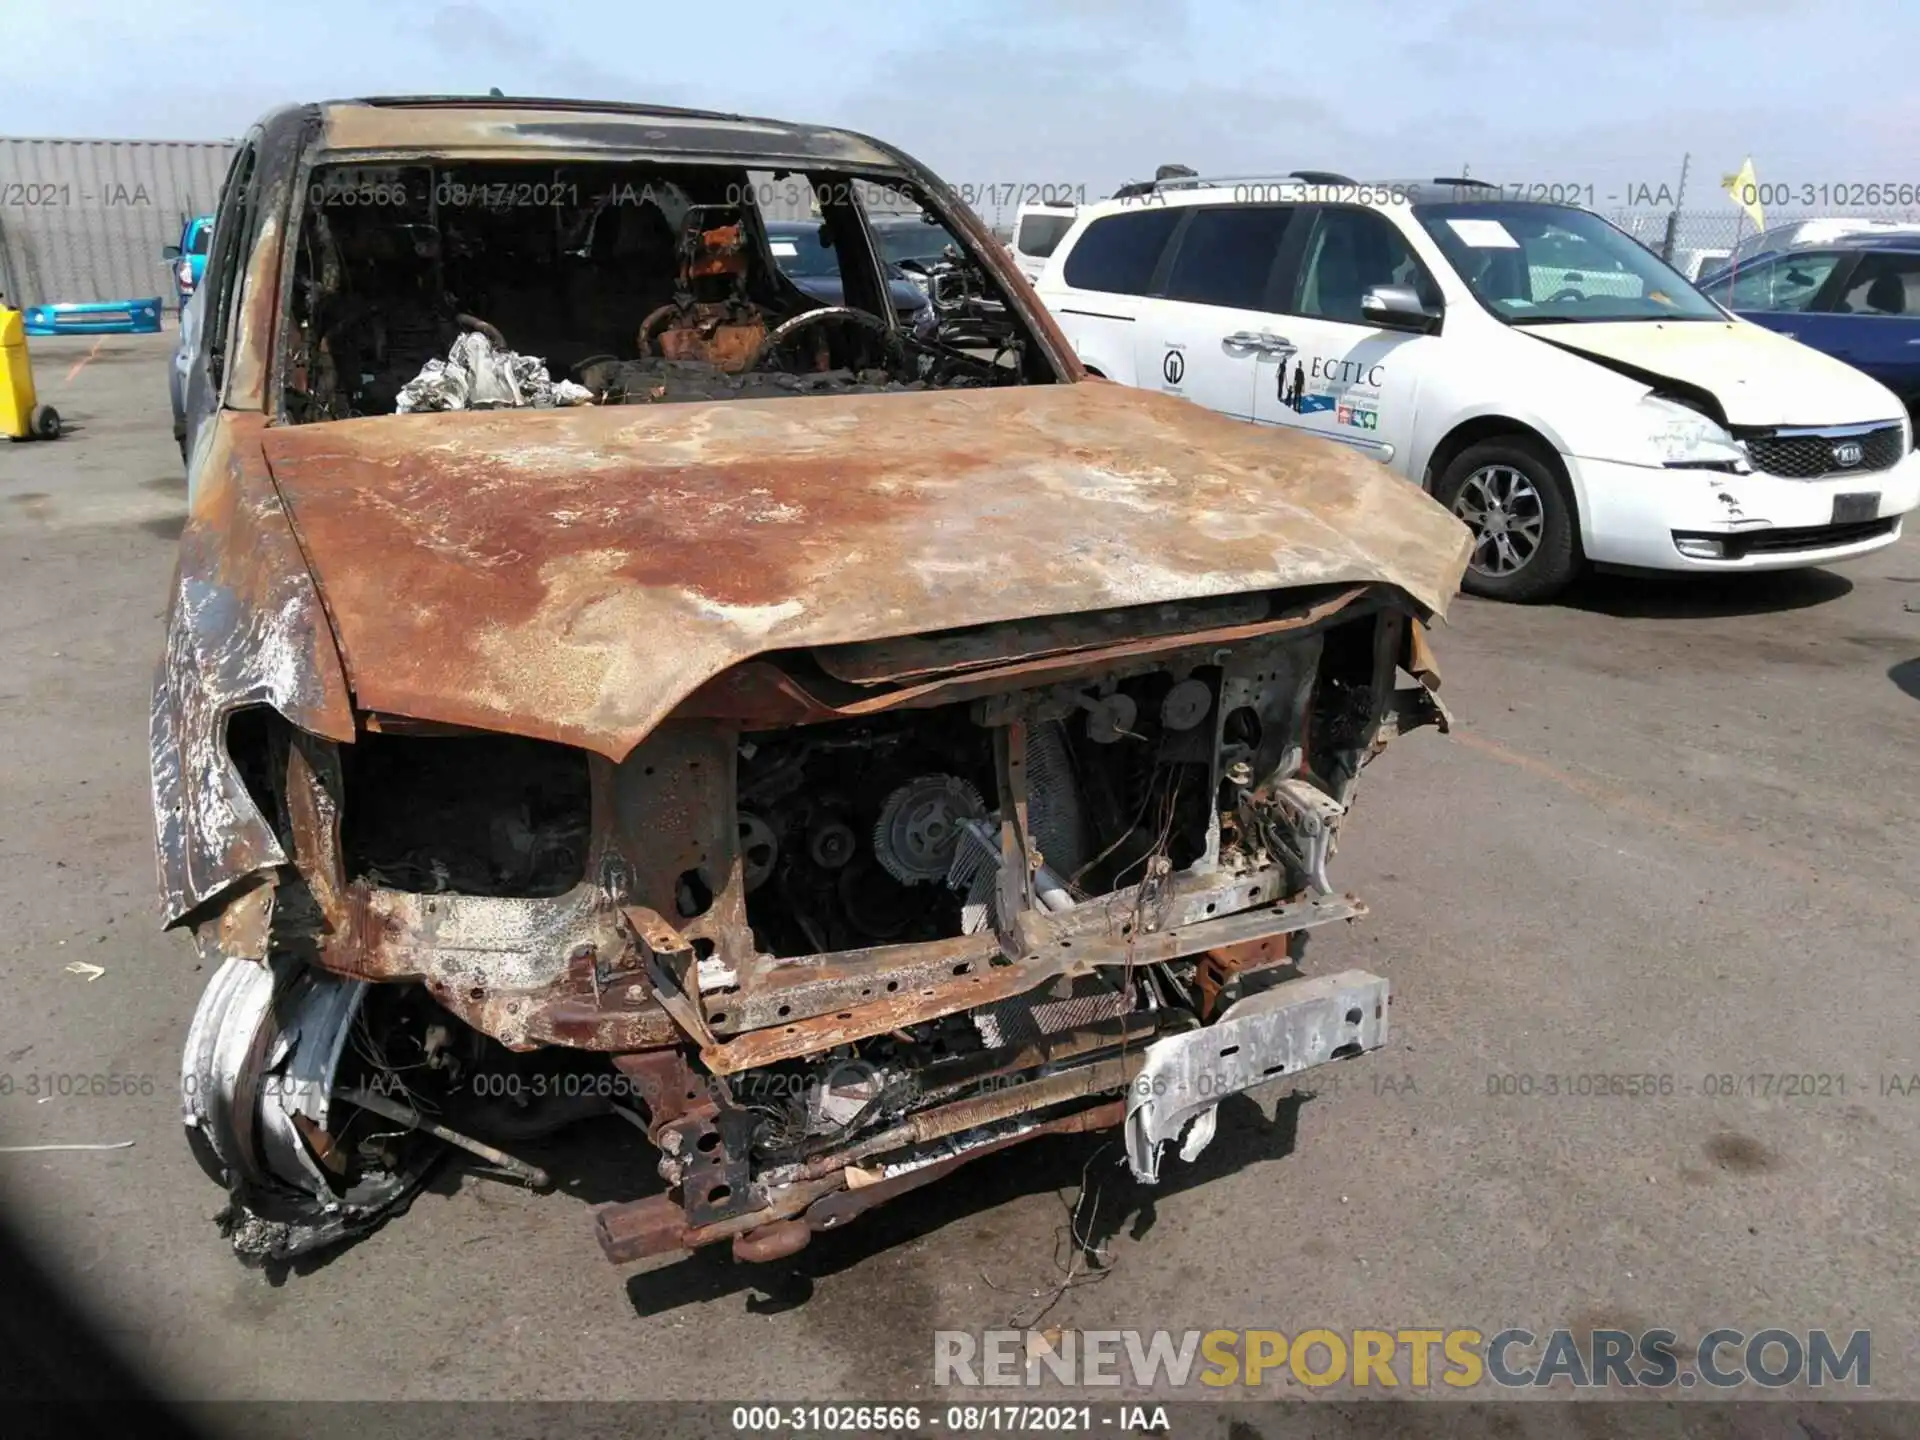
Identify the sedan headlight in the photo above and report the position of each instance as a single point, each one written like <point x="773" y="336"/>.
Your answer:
<point x="1684" y="439"/>
<point x="183" y="273"/>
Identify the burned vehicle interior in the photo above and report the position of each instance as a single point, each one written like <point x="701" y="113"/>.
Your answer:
<point x="838" y="790"/>
<point x="647" y="283"/>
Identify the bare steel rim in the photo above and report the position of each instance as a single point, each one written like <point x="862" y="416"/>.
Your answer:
<point x="1508" y="518"/>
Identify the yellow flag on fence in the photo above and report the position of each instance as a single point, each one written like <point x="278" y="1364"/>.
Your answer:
<point x="1745" y="192"/>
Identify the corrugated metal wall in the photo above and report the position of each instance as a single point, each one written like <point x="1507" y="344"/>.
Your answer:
<point x="86" y="219"/>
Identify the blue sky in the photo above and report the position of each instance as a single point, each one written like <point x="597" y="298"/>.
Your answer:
<point x="1074" y="91"/>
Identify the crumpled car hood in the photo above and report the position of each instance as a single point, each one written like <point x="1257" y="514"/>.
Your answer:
<point x="574" y="574"/>
<point x="1758" y="377"/>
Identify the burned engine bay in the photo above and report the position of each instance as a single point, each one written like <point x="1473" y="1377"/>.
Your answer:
<point x="645" y="283"/>
<point x="849" y="918"/>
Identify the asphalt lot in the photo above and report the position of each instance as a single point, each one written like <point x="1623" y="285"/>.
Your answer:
<point x="1673" y="834"/>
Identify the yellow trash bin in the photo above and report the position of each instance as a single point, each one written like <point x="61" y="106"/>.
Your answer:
<point x="21" y="416"/>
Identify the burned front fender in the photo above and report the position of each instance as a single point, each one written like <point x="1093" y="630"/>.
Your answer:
<point x="245" y="628"/>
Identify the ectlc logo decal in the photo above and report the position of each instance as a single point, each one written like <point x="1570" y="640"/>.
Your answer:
<point x="1338" y="377"/>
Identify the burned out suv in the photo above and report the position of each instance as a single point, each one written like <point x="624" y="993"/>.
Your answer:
<point x="602" y="678"/>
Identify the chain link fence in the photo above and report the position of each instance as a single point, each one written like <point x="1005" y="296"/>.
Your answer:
<point x="1698" y="241"/>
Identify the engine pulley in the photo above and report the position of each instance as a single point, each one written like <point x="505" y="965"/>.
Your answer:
<point x="920" y="824"/>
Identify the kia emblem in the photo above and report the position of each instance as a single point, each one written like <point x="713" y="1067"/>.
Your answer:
<point x="1847" y="454"/>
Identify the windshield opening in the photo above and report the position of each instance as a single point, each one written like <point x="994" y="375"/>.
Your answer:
<point x="466" y="285"/>
<point x="799" y="250"/>
<point x="919" y="243"/>
<point x="1530" y="264"/>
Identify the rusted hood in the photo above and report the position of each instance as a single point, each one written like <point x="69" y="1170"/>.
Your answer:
<point x="573" y="574"/>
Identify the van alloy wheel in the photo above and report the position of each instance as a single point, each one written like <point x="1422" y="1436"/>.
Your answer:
<point x="1507" y="518"/>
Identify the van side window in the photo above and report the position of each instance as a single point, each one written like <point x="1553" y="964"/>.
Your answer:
<point x="1040" y="233"/>
<point x="1350" y="252"/>
<point x="1119" y="253"/>
<point x="1227" y="255"/>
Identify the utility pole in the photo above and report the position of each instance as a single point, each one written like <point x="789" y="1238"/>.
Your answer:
<point x="1673" y="216"/>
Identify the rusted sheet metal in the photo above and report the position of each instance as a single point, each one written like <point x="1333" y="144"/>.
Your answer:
<point x="245" y="628"/>
<point x="558" y="970"/>
<point x="1073" y="943"/>
<point x="921" y="657"/>
<point x="1417" y="660"/>
<point x="574" y="574"/>
<point x="527" y="972"/>
<point x="525" y="132"/>
<point x="760" y="693"/>
<point x="772" y="1242"/>
<point x="246" y="924"/>
<point x="672" y="805"/>
<point x="251" y="352"/>
<point x="657" y="1225"/>
<point x="1219" y="968"/>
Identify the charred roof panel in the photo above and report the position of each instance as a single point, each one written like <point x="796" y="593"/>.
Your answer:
<point x="493" y="125"/>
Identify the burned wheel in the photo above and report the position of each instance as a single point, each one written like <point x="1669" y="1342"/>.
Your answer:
<point x="272" y="1051"/>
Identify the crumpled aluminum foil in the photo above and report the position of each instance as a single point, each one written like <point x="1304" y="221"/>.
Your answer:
<point x="475" y="376"/>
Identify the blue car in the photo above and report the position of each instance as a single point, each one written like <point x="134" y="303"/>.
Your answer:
<point x="188" y="260"/>
<point x="1856" y="298"/>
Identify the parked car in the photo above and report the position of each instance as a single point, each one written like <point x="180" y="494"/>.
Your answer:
<point x="1856" y="299"/>
<point x="1815" y="231"/>
<point x="178" y="366"/>
<point x="1701" y="260"/>
<point x="187" y="261"/>
<point x="916" y="243"/>
<point x="1037" y="229"/>
<point x="843" y="751"/>
<point x="1547" y="378"/>
<point x="815" y="268"/>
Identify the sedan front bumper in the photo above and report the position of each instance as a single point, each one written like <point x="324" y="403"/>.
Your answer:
<point x="1631" y="515"/>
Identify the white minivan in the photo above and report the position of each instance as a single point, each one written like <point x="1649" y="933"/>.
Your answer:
<point x="1551" y="381"/>
<point x="1037" y="230"/>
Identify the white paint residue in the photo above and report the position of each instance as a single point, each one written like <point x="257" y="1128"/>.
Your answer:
<point x="755" y="620"/>
<point x="763" y="509"/>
